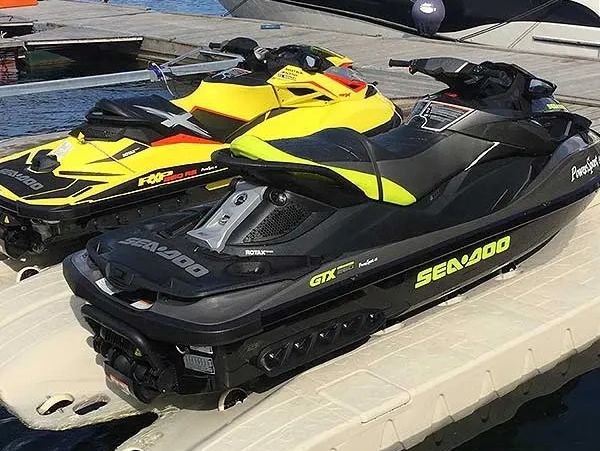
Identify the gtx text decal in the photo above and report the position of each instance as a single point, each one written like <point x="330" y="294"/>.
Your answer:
<point x="174" y="256"/>
<point x="331" y="274"/>
<point x="454" y="265"/>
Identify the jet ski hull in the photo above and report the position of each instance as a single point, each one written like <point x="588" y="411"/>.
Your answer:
<point x="136" y="158"/>
<point x="328" y="239"/>
<point x="255" y="347"/>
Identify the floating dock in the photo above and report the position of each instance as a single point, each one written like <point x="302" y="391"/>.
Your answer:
<point x="391" y="393"/>
<point x="73" y="40"/>
<point x="406" y="383"/>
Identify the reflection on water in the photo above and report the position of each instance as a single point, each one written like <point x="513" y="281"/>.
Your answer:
<point x="8" y="67"/>
<point x="53" y="111"/>
<point x="16" y="437"/>
<point x="197" y="6"/>
<point x="555" y="411"/>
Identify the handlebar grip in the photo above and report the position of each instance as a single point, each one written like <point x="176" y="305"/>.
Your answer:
<point x="501" y="77"/>
<point x="399" y="63"/>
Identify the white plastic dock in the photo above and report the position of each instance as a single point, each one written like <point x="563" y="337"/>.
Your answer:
<point x="389" y="394"/>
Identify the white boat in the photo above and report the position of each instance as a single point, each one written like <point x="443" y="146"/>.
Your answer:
<point x="570" y="27"/>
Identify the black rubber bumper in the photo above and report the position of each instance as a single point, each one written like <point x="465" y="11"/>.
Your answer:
<point x="161" y="328"/>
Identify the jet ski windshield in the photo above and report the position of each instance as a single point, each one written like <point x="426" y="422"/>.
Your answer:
<point x="485" y="86"/>
<point x="272" y="60"/>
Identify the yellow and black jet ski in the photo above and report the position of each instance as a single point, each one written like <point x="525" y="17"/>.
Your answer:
<point x="134" y="158"/>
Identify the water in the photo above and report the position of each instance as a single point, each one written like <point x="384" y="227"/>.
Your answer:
<point x="16" y="437"/>
<point x="564" y="420"/>
<point x="182" y="6"/>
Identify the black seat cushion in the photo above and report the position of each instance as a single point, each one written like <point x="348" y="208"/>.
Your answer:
<point x="416" y="159"/>
<point x="153" y="111"/>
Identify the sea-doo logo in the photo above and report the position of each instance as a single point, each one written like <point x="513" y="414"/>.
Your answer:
<point x="174" y="256"/>
<point x="331" y="274"/>
<point x="454" y="265"/>
<point x="590" y="166"/>
<point x="166" y="177"/>
<point x="25" y="179"/>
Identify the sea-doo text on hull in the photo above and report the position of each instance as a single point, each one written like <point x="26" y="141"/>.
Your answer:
<point x="135" y="158"/>
<point x="327" y="239"/>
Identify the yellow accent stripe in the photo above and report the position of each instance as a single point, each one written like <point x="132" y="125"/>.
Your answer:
<point x="218" y="184"/>
<point x="256" y="149"/>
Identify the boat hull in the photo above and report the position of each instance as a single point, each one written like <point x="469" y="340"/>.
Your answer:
<point x="524" y="35"/>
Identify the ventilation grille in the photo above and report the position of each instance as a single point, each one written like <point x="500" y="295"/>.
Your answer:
<point x="278" y="223"/>
<point x="116" y="340"/>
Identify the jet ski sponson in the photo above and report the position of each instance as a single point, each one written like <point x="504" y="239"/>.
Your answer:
<point x="326" y="239"/>
<point x="135" y="158"/>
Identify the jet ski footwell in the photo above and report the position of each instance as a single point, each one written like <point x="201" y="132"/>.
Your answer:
<point x="401" y="386"/>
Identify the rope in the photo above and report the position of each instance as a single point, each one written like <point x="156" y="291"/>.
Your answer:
<point x="160" y="74"/>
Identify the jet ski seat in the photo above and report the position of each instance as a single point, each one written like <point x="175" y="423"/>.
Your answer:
<point x="400" y="166"/>
<point x="154" y="112"/>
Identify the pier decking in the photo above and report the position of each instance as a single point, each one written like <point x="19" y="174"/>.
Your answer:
<point x="389" y="394"/>
<point x="10" y="44"/>
<point x="57" y="38"/>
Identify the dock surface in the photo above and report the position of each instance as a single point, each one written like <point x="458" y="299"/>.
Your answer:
<point x="390" y="394"/>
<point x="401" y="386"/>
<point x="10" y="44"/>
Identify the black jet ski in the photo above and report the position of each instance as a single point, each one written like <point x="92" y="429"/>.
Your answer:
<point x="327" y="239"/>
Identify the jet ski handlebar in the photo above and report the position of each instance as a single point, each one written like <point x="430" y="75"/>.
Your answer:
<point x="449" y="67"/>
<point x="458" y="73"/>
<point x="400" y="63"/>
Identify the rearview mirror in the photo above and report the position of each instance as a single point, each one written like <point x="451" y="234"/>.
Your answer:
<point x="311" y="63"/>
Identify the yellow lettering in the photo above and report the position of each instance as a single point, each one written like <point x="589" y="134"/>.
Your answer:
<point x="320" y="279"/>
<point x="439" y="271"/>
<point x="453" y="266"/>
<point x="423" y="278"/>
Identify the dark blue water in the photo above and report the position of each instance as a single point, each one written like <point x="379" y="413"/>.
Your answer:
<point x="49" y="112"/>
<point x="566" y="420"/>
<point x="185" y="6"/>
